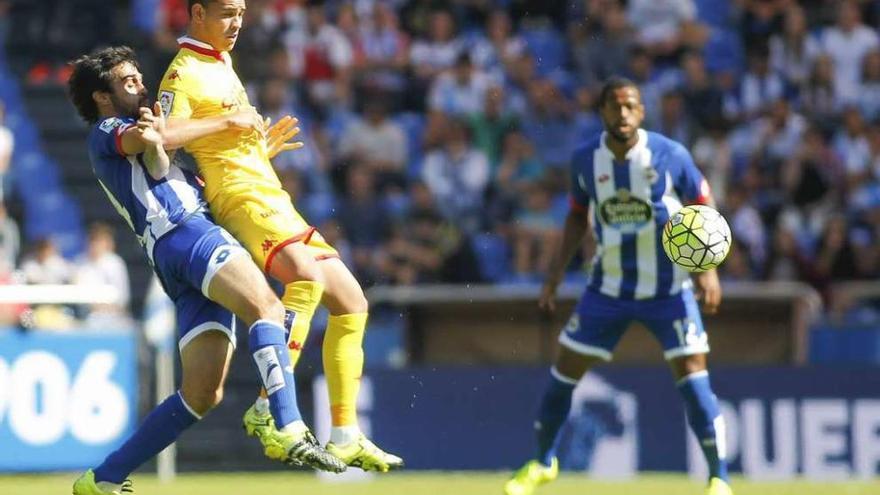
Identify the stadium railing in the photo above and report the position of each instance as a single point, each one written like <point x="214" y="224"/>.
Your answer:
<point x="758" y="323"/>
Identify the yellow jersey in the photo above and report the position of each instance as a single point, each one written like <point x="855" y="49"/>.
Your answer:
<point x="242" y="188"/>
<point x="200" y="83"/>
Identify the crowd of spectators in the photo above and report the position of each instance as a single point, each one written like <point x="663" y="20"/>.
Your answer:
<point x="436" y="131"/>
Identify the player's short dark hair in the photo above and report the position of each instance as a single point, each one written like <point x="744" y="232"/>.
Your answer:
<point x="192" y="3"/>
<point x="612" y="85"/>
<point x="92" y="73"/>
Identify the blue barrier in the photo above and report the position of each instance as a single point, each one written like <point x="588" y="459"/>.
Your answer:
<point x="782" y="422"/>
<point x="66" y="399"/>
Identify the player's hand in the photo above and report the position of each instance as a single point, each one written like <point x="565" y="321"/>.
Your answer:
<point x="278" y="136"/>
<point x="151" y="125"/>
<point x="709" y="291"/>
<point x="247" y="119"/>
<point x="547" y="299"/>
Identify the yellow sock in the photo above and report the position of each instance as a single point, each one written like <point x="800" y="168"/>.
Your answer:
<point x="300" y="298"/>
<point x="343" y="364"/>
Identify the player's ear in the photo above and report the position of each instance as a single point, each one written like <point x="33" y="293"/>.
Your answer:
<point x="101" y="97"/>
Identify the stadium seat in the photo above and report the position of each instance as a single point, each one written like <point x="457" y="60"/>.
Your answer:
<point x="493" y="255"/>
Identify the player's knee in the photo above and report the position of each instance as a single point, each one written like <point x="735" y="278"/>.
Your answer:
<point x="203" y="399"/>
<point x="359" y="304"/>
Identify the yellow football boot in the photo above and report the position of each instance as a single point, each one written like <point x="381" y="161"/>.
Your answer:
<point x="530" y="476"/>
<point x="718" y="486"/>
<point x="364" y="454"/>
<point x="86" y="485"/>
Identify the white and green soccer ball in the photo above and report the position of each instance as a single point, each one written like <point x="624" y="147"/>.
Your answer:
<point x="696" y="238"/>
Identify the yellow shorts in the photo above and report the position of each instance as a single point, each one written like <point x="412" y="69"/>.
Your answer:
<point x="264" y="221"/>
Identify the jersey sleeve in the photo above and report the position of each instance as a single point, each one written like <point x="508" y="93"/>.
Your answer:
<point x="175" y="92"/>
<point x="688" y="181"/>
<point x="107" y="138"/>
<point x="579" y="197"/>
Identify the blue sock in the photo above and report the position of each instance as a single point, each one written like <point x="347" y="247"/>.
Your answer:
<point x="160" y="429"/>
<point x="268" y="347"/>
<point x="555" y="407"/>
<point x="706" y="421"/>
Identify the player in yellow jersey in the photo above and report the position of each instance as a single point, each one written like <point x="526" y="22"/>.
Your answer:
<point x="199" y="88"/>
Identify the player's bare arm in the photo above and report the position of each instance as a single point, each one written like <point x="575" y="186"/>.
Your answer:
<point x="576" y="225"/>
<point x="180" y="132"/>
<point x="149" y="128"/>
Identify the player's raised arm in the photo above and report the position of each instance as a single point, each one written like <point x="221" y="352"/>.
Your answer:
<point x="181" y="131"/>
<point x="150" y="128"/>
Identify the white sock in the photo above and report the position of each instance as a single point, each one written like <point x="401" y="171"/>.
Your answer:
<point x="298" y="427"/>
<point x="108" y="487"/>
<point x="344" y="435"/>
<point x="262" y="405"/>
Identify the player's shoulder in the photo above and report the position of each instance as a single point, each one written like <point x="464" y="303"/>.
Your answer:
<point x="109" y="126"/>
<point x="658" y="143"/>
<point x="584" y="151"/>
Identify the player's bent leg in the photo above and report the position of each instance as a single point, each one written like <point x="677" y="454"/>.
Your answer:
<point x="294" y="265"/>
<point x="205" y="361"/>
<point x="343" y="358"/>
<point x="555" y="405"/>
<point x="704" y="417"/>
<point x="241" y="287"/>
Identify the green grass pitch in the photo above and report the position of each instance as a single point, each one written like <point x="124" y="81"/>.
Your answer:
<point x="431" y="483"/>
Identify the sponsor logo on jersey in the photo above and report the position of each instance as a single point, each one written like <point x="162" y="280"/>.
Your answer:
<point x="625" y="212"/>
<point x="166" y="101"/>
<point x="174" y="75"/>
<point x="109" y="124"/>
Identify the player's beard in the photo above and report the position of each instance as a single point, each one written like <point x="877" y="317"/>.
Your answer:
<point x="620" y="136"/>
<point x="128" y="106"/>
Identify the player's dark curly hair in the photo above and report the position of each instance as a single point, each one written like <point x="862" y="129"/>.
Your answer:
<point x="613" y="84"/>
<point x="92" y="73"/>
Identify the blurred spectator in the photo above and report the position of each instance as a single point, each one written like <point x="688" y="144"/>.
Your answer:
<point x="362" y="216"/>
<point x="45" y="265"/>
<point x="536" y="232"/>
<point x="172" y="20"/>
<point x="747" y="228"/>
<point x="10" y="240"/>
<point x="598" y="56"/>
<point x="659" y="23"/>
<point x="550" y="123"/>
<point x="426" y="248"/>
<point x="774" y="138"/>
<point x="7" y="145"/>
<point x="819" y="97"/>
<point x="493" y="52"/>
<point x="713" y="153"/>
<point x="457" y="175"/>
<point x="461" y="91"/>
<point x="847" y="42"/>
<point x="260" y="35"/>
<point x="376" y="142"/>
<point x="759" y="86"/>
<point x="674" y="123"/>
<point x="703" y="99"/>
<point x="100" y="265"/>
<point x="519" y="165"/>
<point x="760" y="19"/>
<point x="429" y="57"/>
<point x="869" y="90"/>
<point x="490" y="125"/>
<point x="385" y="52"/>
<point x="516" y="86"/>
<point x="793" y="51"/>
<point x="322" y="56"/>
<point x="851" y="144"/>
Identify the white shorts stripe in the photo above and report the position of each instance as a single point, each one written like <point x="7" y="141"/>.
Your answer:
<point x="581" y="348"/>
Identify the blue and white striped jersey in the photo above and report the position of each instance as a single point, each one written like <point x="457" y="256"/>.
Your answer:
<point x="629" y="202"/>
<point x="151" y="207"/>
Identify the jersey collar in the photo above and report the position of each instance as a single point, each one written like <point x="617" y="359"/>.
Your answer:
<point x="640" y="143"/>
<point x="199" y="47"/>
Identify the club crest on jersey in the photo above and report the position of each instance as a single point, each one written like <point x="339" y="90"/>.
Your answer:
<point x="166" y="101"/>
<point x="625" y="212"/>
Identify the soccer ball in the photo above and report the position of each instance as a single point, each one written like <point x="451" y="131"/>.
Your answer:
<point x="696" y="238"/>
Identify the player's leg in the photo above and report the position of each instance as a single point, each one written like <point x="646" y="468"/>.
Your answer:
<point x="677" y="324"/>
<point x="205" y="361"/>
<point x="239" y="286"/>
<point x="588" y="339"/>
<point x="343" y="358"/>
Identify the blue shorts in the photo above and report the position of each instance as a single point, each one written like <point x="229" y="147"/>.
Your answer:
<point x="186" y="260"/>
<point x="599" y="322"/>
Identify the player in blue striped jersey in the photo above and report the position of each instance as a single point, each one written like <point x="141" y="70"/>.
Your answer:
<point x="204" y="270"/>
<point x="626" y="183"/>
